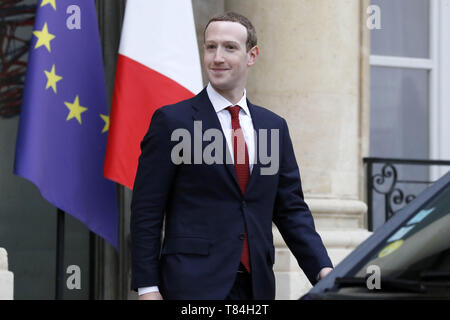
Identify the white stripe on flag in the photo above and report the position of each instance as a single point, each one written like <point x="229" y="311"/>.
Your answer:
<point x="161" y="35"/>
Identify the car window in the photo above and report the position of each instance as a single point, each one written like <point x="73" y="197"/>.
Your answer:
<point x="421" y="243"/>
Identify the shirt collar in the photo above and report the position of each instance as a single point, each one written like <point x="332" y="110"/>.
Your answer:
<point x="219" y="102"/>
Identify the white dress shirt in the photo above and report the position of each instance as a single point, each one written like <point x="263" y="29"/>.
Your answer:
<point x="220" y="104"/>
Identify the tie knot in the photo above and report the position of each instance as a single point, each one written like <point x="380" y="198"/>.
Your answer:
<point x="234" y="112"/>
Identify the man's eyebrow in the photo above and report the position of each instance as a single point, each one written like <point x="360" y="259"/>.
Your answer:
<point x="225" y="42"/>
<point x="231" y="42"/>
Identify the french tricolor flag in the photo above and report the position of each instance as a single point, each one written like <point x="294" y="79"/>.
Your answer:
<point x="158" y="64"/>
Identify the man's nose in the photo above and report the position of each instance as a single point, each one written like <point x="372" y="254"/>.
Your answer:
<point x="218" y="56"/>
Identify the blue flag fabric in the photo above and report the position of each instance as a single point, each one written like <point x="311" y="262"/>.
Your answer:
<point x="64" y="121"/>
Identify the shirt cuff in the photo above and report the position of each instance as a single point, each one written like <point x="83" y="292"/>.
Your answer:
<point x="145" y="290"/>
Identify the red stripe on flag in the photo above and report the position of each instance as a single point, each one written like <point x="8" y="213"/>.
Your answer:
<point x="138" y="92"/>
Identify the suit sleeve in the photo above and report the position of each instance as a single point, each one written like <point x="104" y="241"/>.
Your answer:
<point x="293" y="217"/>
<point x="150" y="193"/>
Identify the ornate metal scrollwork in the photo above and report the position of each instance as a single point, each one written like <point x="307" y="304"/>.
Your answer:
<point x="378" y="180"/>
<point x="396" y="192"/>
<point x="386" y="183"/>
<point x="398" y="198"/>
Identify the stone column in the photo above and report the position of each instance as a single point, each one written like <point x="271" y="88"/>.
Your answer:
<point x="312" y="70"/>
<point x="6" y="277"/>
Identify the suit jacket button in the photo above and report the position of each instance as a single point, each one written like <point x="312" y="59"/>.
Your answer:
<point x="241" y="236"/>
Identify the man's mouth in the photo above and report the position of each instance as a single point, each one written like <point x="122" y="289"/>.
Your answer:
<point x="219" y="69"/>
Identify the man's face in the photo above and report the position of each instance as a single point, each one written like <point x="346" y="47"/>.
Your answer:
<point x="226" y="59"/>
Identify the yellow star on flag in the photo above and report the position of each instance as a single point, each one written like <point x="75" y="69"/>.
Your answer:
<point x="106" y="119"/>
<point x="52" y="2"/>
<point x="52" y="78"/>
<point x="75" y="109"/>
<point x="44" y="38"/>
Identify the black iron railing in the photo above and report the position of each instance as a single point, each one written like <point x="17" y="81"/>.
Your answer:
<point x="391" y="186"/>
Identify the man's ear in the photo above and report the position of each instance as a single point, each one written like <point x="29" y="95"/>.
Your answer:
<point x="252" y="54"/>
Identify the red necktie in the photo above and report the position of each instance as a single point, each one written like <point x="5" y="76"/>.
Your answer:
<point x="241" y="165"/>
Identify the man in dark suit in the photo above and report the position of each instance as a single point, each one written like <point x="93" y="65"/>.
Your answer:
<point x="219" y="196"/>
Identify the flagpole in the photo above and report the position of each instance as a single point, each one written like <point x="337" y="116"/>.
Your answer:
<point x="92" y="262"/>
<point x="59" y="286"/>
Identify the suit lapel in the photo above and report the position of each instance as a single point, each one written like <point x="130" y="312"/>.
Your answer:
<point x="204" y="112"/>
<point x="257" y="121"/>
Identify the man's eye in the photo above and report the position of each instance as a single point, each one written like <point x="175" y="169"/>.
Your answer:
<point x="230" y="47"/>
<point x="210" y="46"/>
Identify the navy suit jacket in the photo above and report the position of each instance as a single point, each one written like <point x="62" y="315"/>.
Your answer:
<point x="204" y="212"/>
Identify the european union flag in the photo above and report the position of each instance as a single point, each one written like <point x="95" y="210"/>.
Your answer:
<point x="64" y="121"/>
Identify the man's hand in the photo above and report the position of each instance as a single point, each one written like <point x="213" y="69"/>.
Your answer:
<point x="151" y="296"/>
<point x="323" y="273"/>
